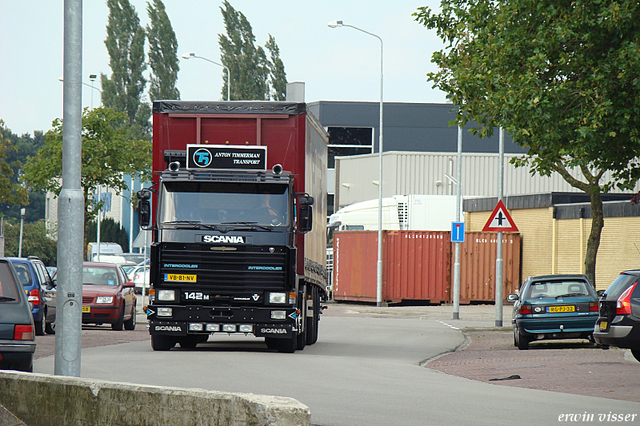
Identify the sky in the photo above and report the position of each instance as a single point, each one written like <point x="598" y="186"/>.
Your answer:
<point x="340" y="64"/>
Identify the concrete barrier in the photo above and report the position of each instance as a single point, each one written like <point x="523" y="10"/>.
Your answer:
<point x="45" y="400"/>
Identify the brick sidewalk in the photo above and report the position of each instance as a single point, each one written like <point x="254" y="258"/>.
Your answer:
<point x="568" y="366"/>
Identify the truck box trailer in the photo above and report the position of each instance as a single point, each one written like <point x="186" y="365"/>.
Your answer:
<point x="238" y="215"/>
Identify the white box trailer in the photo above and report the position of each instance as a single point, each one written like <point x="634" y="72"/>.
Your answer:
<point x="412" y="212"/>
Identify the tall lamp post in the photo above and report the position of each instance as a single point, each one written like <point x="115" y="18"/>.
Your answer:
<point x="92" y="77"/>
<point x="193" y="55"/>
<point x="336" y="24"/>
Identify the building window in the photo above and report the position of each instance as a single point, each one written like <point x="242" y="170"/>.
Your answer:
<point x="345" y="141"/>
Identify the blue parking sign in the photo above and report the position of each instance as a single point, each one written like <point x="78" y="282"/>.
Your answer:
<point x="457" y="232"/>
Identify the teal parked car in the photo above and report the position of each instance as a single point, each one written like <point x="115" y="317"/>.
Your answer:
<point x="560" y="306"/>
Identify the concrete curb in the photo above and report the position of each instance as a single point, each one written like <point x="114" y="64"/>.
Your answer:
<point x="41" y="400"/>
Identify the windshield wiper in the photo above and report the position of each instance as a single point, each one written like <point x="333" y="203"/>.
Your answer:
<point x="7" y="299"/>
<point x="251" y="225"/>
<point x="570" y="295"/>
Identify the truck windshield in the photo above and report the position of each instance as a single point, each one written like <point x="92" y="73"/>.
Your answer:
<point x="214" y="203"/>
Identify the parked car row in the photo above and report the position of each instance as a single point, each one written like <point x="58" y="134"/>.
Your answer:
<point x="564" y="306"/>
<point x="28" y="304"/>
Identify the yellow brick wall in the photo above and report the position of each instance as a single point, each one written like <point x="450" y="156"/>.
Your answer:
<point x="619" y="245"/>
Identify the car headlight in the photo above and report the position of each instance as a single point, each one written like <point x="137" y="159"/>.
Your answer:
<point x="104" y="299"/>
<point x="166" y="295"/>
<point x="278" y="298"/>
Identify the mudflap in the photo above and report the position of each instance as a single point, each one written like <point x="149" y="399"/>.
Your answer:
<point x="277" y="331"/>
<point x="168" y="328"/>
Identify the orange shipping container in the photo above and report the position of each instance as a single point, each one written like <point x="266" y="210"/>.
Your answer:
<point x="416" y="266"/>
<point x="478" y="266"/>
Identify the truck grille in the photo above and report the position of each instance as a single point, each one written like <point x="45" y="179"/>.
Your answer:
<point x="225" y="267"/>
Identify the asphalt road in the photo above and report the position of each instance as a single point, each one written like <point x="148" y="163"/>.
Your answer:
<point x="383" y="366"/>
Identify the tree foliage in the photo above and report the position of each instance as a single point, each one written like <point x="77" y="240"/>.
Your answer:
<point x="22" y="147"/>
<point x="10" y="191"/>
<point x="110" y="232"/>
<point x="561" y="77"/>
<point x="125" y="45"/>
<point x="253" y="76"/>
<point x="163" y="53"/>
<point x="35" y="241"/>
<point x="107" y="155"/>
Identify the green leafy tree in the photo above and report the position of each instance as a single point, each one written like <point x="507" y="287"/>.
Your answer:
<point x="277" y="75"/>
<point x="107" y="155"/>
<point x="110" y="231"/>
<point x="163" y="53"/>
<point x="253" y="76"/>
<point x="25" y="145"/>
<point x="35" y="241"/>
<point x="561" y="77"/>
<point x="125" y="45"/>
<point x="10" y="191"/>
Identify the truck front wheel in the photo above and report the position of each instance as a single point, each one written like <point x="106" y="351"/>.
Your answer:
<point x="162" y="343"/>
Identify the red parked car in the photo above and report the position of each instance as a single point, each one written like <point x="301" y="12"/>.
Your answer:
<point x="107" y="296"/>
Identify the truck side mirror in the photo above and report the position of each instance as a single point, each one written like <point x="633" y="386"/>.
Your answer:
<point x="305" y="218"/>
<point x="144" y="208"/>
<point x="144" y="213"/>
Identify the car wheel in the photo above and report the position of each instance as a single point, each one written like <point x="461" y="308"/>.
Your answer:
<point x="40" y="325"/>
<point x="636" y="354"/>
<point x="521" y="341"/>
<point x="50" y="327"/>
<point x="117" y="326"/>
<point x="25" y="365"/>
<point x="130" y="324"/>
<point x="162" y="343"/>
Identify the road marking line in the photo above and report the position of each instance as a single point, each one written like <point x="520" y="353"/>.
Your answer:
<point x="448" y="325"/>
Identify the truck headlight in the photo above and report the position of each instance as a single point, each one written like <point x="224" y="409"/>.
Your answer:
<point x="104" y="299"/>
<point x="166" y="295"/>
<point x="196" y="326"/>
<point x="164" y="312"/>
<point x="229" y="328"/>
<point x="278" y="315"/>
<point x="278" y="298"/>
<point x="245" y="328"/>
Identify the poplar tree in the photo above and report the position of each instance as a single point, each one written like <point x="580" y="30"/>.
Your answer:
<point x="125" y="45"/>
<point x="163" y="53"/>
<point x="253" y="76"/>
<point x="277" y="75"/>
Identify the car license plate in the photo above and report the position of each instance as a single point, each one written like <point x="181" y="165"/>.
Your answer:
<point x="86" y="309"/>
<point x="603" y="325"/>
<point x="556" y="309"/>
<point x="180" y="278"/>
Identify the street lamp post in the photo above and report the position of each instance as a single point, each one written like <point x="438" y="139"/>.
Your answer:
<point x="92" y="77"/>
<point x="193" y="55"/>
<point x="22" y="213"/>
<point x="336" y="24"/>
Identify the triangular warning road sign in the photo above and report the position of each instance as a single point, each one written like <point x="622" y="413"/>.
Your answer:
<point x="500" y="220"/>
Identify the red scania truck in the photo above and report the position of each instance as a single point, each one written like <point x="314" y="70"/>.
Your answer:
<point x="238" y="215"/>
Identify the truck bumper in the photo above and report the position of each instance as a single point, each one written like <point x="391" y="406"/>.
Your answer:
<point x="259" y="321"/>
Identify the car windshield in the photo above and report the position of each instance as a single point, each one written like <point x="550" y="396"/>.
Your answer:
<point x="97" y="275"/>
<point x="554" y="289"/>
<point x="8" y="290"/>
<point x="211" y="203"/>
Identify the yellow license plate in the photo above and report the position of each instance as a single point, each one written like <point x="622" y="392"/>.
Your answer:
<point x="86" y="309"/>
<point x="180" y="278"/>
<point x="603" y="325"/>
<point x="556" y="309"/>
